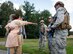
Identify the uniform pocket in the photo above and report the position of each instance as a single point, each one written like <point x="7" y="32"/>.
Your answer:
<point x="61" y="42"/>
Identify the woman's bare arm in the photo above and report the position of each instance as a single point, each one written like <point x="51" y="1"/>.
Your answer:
<point x="31" y="23"/>
<point x="26" y="23"/>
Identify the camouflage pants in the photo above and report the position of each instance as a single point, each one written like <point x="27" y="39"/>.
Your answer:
<point x="42" y="42"/>
<point x="50" y="40"/>
<point x="59" y="42"/>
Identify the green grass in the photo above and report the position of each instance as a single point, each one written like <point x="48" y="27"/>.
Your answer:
<point x="30" y="46"/>
<point x="2" y="39"/>
<point x="69" y="46"/>
<point x="2" y="47"/>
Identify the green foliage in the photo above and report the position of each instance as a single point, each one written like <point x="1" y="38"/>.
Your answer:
<point x="28" y="8"/>
<point x="5" y="10"/>
<point x="45" y="14"/>
<point x="31" y="15"/>
<point x="19" y="12"/>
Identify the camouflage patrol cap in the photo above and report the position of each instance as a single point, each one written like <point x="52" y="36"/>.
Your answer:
<point x="41" y="21"/>
<point x="59" y="3"/>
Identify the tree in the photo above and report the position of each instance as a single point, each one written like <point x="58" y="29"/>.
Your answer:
<point x="19" y="12"/>
<point x="45" y="14"/>
<point x="6" y="10"/>
<point x="30" y="15"/>
<point x="28" y="8"/>
<point x="34" y="30"/>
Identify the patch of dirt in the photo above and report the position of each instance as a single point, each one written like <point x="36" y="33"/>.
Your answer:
<point x="71" y="36"/>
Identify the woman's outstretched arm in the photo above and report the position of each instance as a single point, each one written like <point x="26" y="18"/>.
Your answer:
<point x="26" y="23"/>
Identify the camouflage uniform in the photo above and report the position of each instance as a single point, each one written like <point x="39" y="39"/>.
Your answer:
<point x="59" y="39"/>
<point x="42" y="36"/>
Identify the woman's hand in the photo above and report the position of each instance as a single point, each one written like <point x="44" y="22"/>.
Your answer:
<point x="35" y="24"/>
